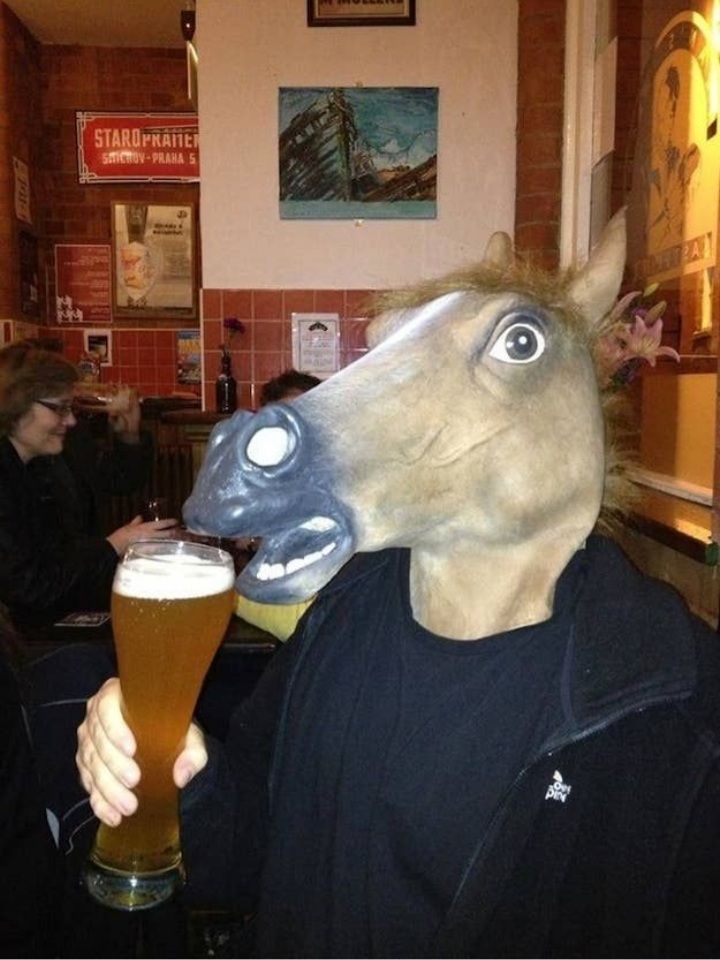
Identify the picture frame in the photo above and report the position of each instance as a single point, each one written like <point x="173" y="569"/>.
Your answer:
<point x="336" y="13"/>
<point x="332" y="158"/>
<point x="99" y="342"/>
<point x="316" y="343"/>
<point x="154" y="260"/>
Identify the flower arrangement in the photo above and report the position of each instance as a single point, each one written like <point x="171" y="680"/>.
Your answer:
<point x="232" y="327"/>
<point x="632" y="337"/>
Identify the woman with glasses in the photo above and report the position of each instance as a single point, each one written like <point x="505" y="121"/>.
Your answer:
<point x="51" y="565"/>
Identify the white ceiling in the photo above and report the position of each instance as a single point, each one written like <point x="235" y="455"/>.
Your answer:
<point x="107" y="23"/>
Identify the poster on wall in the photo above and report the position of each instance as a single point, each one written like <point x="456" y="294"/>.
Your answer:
<point x="99" y="342"/>
<point x="675" y="197"/>
<point x="29" y="273"/>
<point x="82" y="283"/>
<point x="153" y="260"/>
<point x="684" y="166"/>
<point x="22" y="190"/>
<point x="358" y="152"/>
<point x="137" y="147"/>
<point x="315" y="343"/>
<point x="188" y="356"/>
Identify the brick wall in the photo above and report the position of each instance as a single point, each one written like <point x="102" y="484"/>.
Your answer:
<point x="101" y="78"/>
<point x="629" y="33"/>
<point x="20" y="136"/>
<point x="541" y="75"/>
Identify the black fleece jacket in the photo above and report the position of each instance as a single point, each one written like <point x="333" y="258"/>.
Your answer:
<point x="627" y="864"/>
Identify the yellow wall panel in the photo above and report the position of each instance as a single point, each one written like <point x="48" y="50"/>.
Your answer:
<point x="678" y="425"/>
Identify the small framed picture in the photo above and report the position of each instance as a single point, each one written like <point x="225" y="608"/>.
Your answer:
<point x="340" y="13"/>
<point x="99" y="342"/>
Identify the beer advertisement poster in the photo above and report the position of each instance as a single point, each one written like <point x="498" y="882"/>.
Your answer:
<point x="137" y="147"/>
<point x="153" y="260"/>
<point x="188" y="356"/>
<point x="82" y="283"/>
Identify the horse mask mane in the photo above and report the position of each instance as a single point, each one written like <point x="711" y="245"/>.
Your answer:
<point x="471" y="432"/>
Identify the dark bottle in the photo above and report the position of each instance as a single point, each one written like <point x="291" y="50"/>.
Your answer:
<point x="225" y="386"/>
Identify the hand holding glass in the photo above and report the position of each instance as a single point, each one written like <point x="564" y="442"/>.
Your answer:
<point x="171" y="603"/>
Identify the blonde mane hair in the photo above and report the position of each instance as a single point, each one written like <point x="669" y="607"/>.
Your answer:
<point x="550" y="291"/>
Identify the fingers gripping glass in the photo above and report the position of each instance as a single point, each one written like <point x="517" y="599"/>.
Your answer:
<point x="61" y="408"/>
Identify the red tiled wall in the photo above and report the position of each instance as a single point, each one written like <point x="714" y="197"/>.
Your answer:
<point x="265" y="348"/>
<point x="146" y="359"/>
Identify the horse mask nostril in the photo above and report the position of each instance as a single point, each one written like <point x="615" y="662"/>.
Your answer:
<point x="269" y="446"/>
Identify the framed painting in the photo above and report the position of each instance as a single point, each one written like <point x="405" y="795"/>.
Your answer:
<point x="154" y="260"/>
<point x="358" y="152"/>
<point x="340" y="13"/>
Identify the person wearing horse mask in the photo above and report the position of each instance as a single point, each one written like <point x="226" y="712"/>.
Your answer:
<point x="490" y="735"/>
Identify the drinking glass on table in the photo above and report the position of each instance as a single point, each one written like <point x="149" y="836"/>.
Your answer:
<point x="156" y="508"/>
<point x="171" y="603"/>
<point x="92" y="396"/>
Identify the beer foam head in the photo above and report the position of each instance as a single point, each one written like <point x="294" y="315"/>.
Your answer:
<point x="176" y="576"/>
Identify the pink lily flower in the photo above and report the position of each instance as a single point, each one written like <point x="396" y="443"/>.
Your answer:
<point x="642" y="339"/>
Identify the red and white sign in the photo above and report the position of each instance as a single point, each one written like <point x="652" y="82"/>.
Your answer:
<point x="114" y="147"/>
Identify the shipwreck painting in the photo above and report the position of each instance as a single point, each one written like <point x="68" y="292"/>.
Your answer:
<point x="358" y="152"/>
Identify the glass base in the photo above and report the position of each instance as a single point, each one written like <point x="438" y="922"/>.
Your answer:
<point x="131" y="891"/>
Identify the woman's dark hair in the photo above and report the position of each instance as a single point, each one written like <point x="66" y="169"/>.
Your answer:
<point x="289" y="382"/>
<point x="28" y="374"/>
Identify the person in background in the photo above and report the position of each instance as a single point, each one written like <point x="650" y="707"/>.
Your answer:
<point x="98" y="471"/>
<point x="52" y="564"/>
<point x="278" y="619"/>
<point x="287" y="385"/>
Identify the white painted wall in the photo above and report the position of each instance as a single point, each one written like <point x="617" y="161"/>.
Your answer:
<point x="249" y="48"/>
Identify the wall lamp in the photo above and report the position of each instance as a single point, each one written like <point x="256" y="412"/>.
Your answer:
<point x="187" y="23"/>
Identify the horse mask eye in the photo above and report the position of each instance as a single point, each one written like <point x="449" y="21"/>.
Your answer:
<point x="521" y="342"/>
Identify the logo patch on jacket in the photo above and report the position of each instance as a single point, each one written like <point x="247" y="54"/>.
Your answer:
<point x="558" y="789"/>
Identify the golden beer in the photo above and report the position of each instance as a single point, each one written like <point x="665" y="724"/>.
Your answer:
<point x="171" y="603"/>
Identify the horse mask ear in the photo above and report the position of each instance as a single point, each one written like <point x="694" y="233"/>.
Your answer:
<point x="596" y="287"/>
<point x="499" y="251"/>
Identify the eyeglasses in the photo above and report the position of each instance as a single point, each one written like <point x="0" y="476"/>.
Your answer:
<point x="62" y="409"/>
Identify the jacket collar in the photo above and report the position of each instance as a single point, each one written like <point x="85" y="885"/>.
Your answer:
<point x="632" y="641"/>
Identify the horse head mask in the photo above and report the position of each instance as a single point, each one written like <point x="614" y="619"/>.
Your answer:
<point x="471" y="432"/>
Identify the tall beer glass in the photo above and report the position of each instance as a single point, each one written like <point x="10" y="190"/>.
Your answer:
<point x="171" y="603"/>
